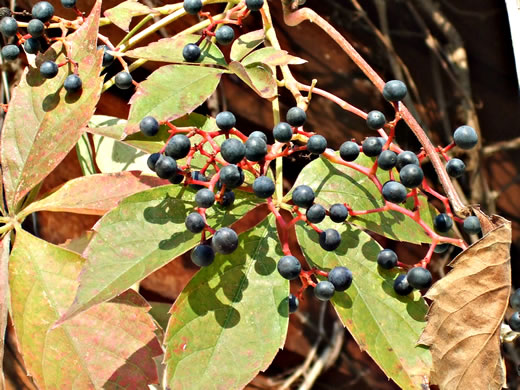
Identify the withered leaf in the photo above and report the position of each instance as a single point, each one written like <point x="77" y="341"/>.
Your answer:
<point x="463" y="329"/>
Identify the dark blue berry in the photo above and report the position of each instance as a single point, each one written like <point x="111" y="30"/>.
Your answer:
<point x="263" y="187"/>
<point x="442" y="223"/>
<point x="165" y="167"/>
<point x="35" y="27"/>
<point x="178" y="146"/>
<point x="405" y="158"/>
<point x="341" y="278"/>
<point x="349" y="151"/>
<point x="256" y="149"/>
<point x="196" y="175"/>
<point x="259" y="134"/>
<point x="149" y="126"/>
<point x="227" y="199"/>
<point x="123" y="80"/>
<point x="43" y="11"/>
<point x="204" y="198"/>
<point x="32" y="46"/>
<point x="8" y="26"/>
<point x="455" y="167"/>
<point x="225" y="241"/>
<point x="465" y="137"/>
<point x="372" y="146"/>
<point x="233" y="150"/>
<point x="394" y="90"/>
<point x="296" y="117"/>
<point x="387" y="160"/>
<point x="411" y="176"/>
<point x="152" y="160"/>
<point x="394" y="192"/>
<point x="107" y="57"/>
<point x="316" y="213"/>
<point x="330" y="239"/>
<point x="10" y="52"/>
<point x="72" y="83"/>
<point x="191" y="52"/>
<point x="441" y="248"/>
<point x="232" y="176"/>
<point x="293" y="303"/>
<point x="192" y="7"/>
<point x="514" y="301"/>
<point x="419" y="278"/>
<point x="401" y="285"/>
<point x="68" y="3"/>
<point x="195" y="222"/>
<point x="514" y="322"/>
<point x="375" y="119"/>
<point x="283" y="132"/>
<point x="472" y="225"/>
<point x="324" y="290"/>
<point x="338" y="212"/>
<point x="225" y="35"/>
<point x="177" y="178"/>
<point x="317" y="144"/>
<point x="48" y="69"/>
<point x="202" y="255"/>
<point x="289" y="267"/>
<point x="254" y="5"/>
<point x="303" y="196"/>
<point x="225" y="120"/>
<point x="387" y="259"/>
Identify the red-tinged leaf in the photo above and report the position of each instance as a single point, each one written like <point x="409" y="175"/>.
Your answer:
<point x="171" y="92"/>
<point x="94" y="194"/>
<point x="4" y="298"/>
<point x="259" y="77"/>
<point x="170" y="50"/>
<point x="143" y="233"/>
<point x="273" y="57"/>
<point x="245" y="44"/>
<point x="121" y="15"/>
<point x="232" y="317"/>
<point x="44" y="122"/>
<point x="109" y="346"/>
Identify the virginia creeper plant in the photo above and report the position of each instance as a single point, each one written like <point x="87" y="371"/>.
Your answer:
<point x="180" y="182"/>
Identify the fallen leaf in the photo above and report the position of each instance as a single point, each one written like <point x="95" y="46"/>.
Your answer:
<point x="463" y="329"/>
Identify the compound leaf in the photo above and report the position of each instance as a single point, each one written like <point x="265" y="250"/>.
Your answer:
<point x="109" y="346"/>
<point x="171" y="92"/>
<point x="231" y="318"/>
<point x="44" y="122"/>
<point x="143" y="233"/>
<point x="94" y="194"/>
<point x="384" y="324"/>
<point x="334" y="183"/>
<point x="121" y="15"/>
<point x="170" y="50"/>
<point x="245" y="44"/>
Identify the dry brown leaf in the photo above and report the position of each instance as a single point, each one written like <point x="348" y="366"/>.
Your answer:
<point x="463" y="329"/>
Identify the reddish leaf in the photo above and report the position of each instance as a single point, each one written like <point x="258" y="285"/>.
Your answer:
<point x="94" y="194"/>
<point x="121" y="15"/>
<point x="111" y="345"/>
<point x="4" y="298"/>
<point x="44" y="122"/>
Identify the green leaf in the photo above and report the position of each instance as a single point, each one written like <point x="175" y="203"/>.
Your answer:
<point x="160" y="313"/>
<point x="272" y="57"/>
<point x="44" y="122"/>
<point x="145" y="232"/>
<point x="258" y="76"/>
<point x="109" y="346"/>
<point x="4" y="298"/>
<point x="245" y="44"/>
<point x="114" y="156"/>
<point x="85" y="156"/>
<point x="170" y="50"/>
<point x="336" y="183"/>
<point x="171" y="92"/>
<point x="94" y="194"/>
<point x="107" y="126"/>
<point x="231" y="318"/>
<point x="121" y="15"/>
<point x="387" y="326"/>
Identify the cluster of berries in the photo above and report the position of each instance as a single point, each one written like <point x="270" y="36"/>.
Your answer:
<point x="42" y="13"/>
